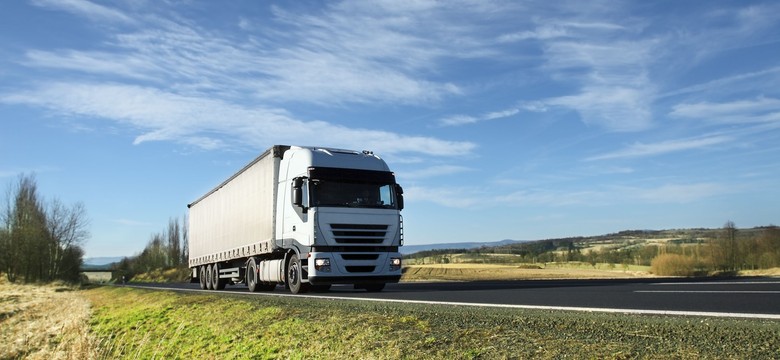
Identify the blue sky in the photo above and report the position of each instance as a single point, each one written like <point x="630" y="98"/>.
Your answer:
<point x="521" y="120"/>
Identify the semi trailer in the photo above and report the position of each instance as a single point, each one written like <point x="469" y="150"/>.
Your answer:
<point x="302" y="217"/>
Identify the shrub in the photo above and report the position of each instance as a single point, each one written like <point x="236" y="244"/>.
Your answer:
<point x="673" y="265"/>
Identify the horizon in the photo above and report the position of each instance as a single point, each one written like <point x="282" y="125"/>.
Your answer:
<point x="501" y="120"/>
<point x="474" y="243"/>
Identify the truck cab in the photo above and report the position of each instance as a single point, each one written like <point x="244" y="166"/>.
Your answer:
<point x="340" y="219"/>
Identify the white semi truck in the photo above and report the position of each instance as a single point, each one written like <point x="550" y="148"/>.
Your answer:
<point x="303" y="217"/>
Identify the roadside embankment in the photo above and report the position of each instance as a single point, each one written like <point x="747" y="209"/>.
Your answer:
<point x="44" y="322"/>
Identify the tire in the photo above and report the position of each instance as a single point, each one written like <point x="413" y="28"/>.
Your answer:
<point x="216" y="282"/>
<point x="202" y="277"/>
<point x="209" y="278"/>
<point x="294" y="273"/>
<point x="251" y="275"/>
<point x="253" y="281"/>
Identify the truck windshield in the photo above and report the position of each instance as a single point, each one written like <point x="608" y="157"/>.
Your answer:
<point x="352" y="194"/>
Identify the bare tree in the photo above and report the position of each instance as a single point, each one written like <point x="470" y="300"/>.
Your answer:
<point x="68" y="229"/>
<point x="39" y="242"/>
<point x="730" y="244"/>
<point x="26" y="232"/>
<point x="5" y="233"/>
<point x="174" y="242"/>
<point x="185" y="242"/>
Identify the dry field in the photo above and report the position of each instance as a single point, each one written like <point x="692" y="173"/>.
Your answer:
<point x="44" y="322"/>
<point x="472" y="272"/>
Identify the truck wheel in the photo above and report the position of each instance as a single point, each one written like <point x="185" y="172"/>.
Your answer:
<point x="202" y="277"/>
<point x="216" y="282"/>
<point x="251" y="275"/>
<point x="209" y="278"/>
<point x="294" y="273"/>
<point x="253" y="282"/>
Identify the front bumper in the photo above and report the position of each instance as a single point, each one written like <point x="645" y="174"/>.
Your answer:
<point x="325" y="280"/>
<point x="354" y="268"/>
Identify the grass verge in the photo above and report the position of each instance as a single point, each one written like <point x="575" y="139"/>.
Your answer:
<point x="132" y="323"/>
<point x="44" y="322"/>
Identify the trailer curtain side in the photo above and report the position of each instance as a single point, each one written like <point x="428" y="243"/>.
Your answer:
<point x="236" y="219"/>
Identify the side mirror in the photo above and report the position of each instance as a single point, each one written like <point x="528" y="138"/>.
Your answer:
<point x="297" y="195"/>
<point x="399" y="196"/>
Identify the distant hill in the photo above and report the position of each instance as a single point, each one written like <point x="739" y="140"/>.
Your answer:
<point x="411" y="249"/>
<point x="100" y="261"/>
<point x="626" y="238"/>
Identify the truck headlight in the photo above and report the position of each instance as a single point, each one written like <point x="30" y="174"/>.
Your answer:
<point x="322" y="265"/>
<point x="395" y="264"/>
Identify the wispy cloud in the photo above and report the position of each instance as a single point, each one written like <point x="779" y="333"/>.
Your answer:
<point x="601" y="59"/>
<point x="615" y="108"/>
<point x="762" y="109"/>
<point x="208" y="123"/>
<point x="173" y="80"/>
<point x="763" y="79"/>
<point x="664" y="147"/>
<point x="349" y="53"/>
<point x="458" y="120"/>
<point x="87" y="9"/>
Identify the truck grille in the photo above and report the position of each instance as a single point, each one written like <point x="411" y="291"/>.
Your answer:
<point x="360" y="269"/>
<point x="358" y="233"/>
<point x="359" y="256"/>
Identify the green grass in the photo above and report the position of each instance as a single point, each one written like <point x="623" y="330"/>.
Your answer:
<point x="132" y="323"/>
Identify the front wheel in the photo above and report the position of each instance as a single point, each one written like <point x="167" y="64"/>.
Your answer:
<point x="294" y="276"/>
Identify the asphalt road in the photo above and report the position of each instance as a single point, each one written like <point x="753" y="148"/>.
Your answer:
<point x="741" y="297"/>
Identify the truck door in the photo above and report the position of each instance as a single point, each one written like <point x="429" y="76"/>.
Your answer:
<point x="293" y="218"/>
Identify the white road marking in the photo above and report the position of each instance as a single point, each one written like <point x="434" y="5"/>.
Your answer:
<point x="505" y="306"/>
<point x="710" y="291"/>
<point x="720" y="283"/>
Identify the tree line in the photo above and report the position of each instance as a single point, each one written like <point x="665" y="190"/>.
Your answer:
<point x="167" y="249"/>
<point x="40" y="241"/>
<point x="696" y="251"/>
<point x="732" y="250"/>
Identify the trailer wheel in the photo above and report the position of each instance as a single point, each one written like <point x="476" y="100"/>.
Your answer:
<point x="209" y="278"/>
<point x="216" y="282"/>
<point x="202" y="277"/>
<point x="294" y="273"/>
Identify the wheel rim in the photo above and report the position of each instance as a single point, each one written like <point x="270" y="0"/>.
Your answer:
<point x="215" y="281"/>
<point x="209" y="278"/>
<point x="251" y="279"/>
<point x="202" y="274"/>
<point x="294" y="274"/>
